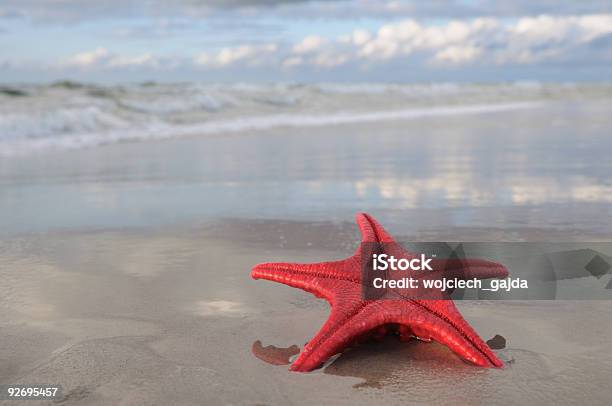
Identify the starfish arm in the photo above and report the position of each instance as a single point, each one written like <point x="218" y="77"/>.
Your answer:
<point x="371" y="230"/>
<point x="376" y="240"/>
<point x="340" y="329"/>
<point x="343" y="328"/>
<point x="441" y="321"/>
<point x="318" y="279"/>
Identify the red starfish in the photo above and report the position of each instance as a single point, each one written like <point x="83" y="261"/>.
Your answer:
<point x="352" y="317"/>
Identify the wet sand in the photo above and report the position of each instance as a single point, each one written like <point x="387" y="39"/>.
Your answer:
<point x="125" y="269"/>
<point x="170" y="317"/>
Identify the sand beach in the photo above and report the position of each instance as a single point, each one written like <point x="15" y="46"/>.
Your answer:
<point x="124" y="264"/>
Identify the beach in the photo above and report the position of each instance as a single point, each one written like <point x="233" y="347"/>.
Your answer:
<point x="125" y="261"/>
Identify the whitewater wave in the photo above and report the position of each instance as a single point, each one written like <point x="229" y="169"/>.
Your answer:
<point x="71" y="115"/>
<point x="162" y="130"/>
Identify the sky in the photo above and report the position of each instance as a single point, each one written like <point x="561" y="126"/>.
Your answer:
<point x="305" y="41"/>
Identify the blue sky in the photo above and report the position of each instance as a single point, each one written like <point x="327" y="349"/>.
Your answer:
<point x="305" y="41"/>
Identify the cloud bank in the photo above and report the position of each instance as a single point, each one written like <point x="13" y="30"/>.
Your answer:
<point x="304" y="40"/>
<point x="456" y="43"/>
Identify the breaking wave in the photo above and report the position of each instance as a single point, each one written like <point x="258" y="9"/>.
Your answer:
<point x="72" y="115"/>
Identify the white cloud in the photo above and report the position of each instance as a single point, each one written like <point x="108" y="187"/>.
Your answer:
<point x="252" y="55"/>
<point x="329" y="59"/>
<point x="457" y="54"/>
<point x="479" y="42"/>
<point x="311" y="43"/>
<point x="90" y="58"/>
<point x="452" y="42"/>
<point x="146" y="59"/>
<point x="101" y="58"/>
<point x="360" y="37"/>
<point x="318" y="52"/>
<point x="482" y="40"/>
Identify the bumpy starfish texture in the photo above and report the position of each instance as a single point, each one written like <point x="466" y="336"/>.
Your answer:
<point x="353" y="317"/>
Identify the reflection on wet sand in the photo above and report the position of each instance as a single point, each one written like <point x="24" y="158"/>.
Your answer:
<point x="464" y="171"/>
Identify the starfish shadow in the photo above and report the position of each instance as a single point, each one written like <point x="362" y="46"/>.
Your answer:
<point x="375" y="361"/>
